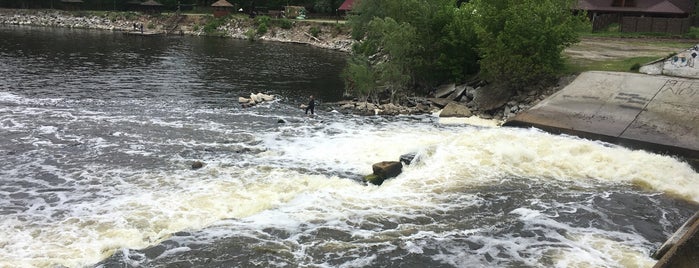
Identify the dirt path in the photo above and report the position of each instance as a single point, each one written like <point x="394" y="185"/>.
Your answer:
<point x="602" y="49"/>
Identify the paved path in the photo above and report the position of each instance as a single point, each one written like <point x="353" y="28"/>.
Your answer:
<point x="657" y="113"/>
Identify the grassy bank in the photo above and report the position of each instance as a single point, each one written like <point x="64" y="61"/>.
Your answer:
<point x="612" y="50"/>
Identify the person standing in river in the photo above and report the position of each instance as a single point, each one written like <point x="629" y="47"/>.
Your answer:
<point x="311" y="105"/>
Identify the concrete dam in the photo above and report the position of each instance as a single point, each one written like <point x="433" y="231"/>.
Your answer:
<point x="652" y="112"/>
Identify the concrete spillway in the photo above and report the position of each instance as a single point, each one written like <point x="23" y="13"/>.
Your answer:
<point x="657" y="113"/>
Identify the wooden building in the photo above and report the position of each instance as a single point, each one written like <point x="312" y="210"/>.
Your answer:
<point x="222" y="8"/>
<point x="151" y="6"/>
<point x="671" y="16"/>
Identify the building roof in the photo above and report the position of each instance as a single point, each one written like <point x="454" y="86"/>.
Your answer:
<point x="151" y="3"/>
<point x="347" y="5"/>
<point x="221" y="3"/>
<point x="643" y="6"/>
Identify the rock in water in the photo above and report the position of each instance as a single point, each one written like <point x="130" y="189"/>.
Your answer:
<point x="384" y="170"/>
<point x="407" y="159"/>
<point x="454" y="109"/>
<point x="197" y="165"/>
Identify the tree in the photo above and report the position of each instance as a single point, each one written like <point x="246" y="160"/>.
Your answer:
<point x="440" y="49"/>
<point x="396" y="50"/>
<point x="360" y="77"/>
<point x="520" y="41"/>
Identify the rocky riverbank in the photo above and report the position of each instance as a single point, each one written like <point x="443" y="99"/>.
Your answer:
<point x="475" y="98"/>
<point x="466" y="100"/>
<point x="327" y="35"/>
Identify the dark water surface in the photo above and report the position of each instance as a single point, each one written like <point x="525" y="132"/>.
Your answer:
<point x="82" y="64"/>
<point x="99" y="131"/>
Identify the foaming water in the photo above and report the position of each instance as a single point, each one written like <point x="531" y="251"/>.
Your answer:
<point x="104" y="177"/>
<point x="461" y="204"/>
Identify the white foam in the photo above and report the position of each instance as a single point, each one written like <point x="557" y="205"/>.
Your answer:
<point x="471" y="120"/>
<point x="286" y="187"/>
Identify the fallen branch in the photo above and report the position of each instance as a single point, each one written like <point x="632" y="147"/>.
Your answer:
<point x="314" y="38"/>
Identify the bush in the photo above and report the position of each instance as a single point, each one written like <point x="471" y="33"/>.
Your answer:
<point x="521" y="41"/>
<point x="635" y="67"/>
<point x="262" y="29"/>
<point x="262" y="23"/>
<point x="250" y="34"/>
<point x="285" y="23"/>
<point x="212" y="25"/>
<point x="314" y="31"/>
<point x="259" y="20"/>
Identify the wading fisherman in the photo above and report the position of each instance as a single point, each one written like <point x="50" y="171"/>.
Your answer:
<point x="311" y="105"/>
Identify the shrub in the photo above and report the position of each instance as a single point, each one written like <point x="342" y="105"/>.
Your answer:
<point x="213" y="25"/>
<point x="285" y="23"/>
<point x="262" y="23"/>
<point x="250" y="34"/>
<point x="262" y="20"/>
<point x="262" y="29"/>
<point x="314" y="31"/>
<point x="635" y="67"/>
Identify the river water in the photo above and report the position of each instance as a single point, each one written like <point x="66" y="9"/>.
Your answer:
<point x="99" y="131"/>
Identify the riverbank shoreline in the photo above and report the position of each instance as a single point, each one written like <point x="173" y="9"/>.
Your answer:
<point x="327" y="35"/>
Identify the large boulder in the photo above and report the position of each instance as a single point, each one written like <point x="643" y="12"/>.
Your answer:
<point x="384" y="170"/>
<point x="458" y="92"/>
<point x="491" y="97"/>
<point x="444" y="90"/>
<point x="454" y="109"/>
<point x="441" y="103"/>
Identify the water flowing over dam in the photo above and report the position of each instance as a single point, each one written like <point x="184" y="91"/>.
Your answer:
<point x="658" y="113"/>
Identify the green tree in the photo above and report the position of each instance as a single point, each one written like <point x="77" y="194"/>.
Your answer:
<point x="396" y="49"/>
<point x="441" y="49"/>
<point x="360" y="78"/>
<point x="520" y="41"/>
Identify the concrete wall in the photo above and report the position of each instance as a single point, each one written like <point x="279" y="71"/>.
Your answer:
<point x="656" y="113"/>
<point x="682" y="249"/>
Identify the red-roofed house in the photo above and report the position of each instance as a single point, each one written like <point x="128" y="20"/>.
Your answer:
<point x="346" y="6"/>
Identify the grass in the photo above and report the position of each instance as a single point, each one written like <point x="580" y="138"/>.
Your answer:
<point x="620" y="65"/>
<point x="667" y="44"/>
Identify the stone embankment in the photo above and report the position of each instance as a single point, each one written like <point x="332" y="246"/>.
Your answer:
<point x="329" y="35"/>
<point x="471" y="99"/>
<point x="54" y="18"/>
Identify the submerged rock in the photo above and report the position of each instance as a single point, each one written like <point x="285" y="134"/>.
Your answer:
<point x="197" y="165"/>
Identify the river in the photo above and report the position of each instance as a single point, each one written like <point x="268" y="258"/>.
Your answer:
<point x="99" y="131"/>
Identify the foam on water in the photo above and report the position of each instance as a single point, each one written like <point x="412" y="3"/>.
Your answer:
<point x="303" y="182"/>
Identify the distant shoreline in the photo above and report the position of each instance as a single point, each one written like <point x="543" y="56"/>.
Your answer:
<point x="238" y="27"/>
